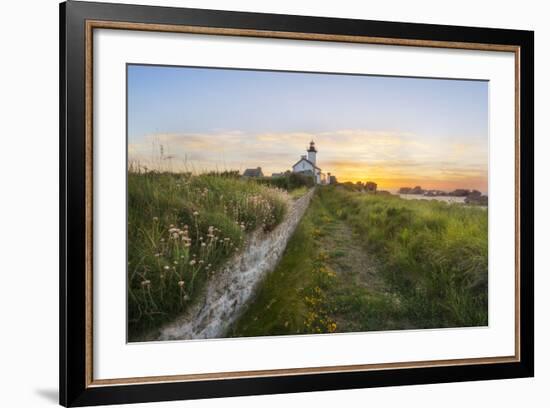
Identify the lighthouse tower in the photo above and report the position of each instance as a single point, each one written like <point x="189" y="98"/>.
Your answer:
<point x="312" y="152"/>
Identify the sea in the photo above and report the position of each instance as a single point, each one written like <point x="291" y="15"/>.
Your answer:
<point x="447" y="199"/>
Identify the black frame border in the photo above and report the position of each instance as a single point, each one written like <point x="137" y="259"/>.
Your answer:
<point x="72" y="124"/>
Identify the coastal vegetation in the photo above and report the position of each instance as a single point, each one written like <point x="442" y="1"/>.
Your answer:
<point x="361" y="262"/>
<point x="288" y="181"/>
<point x="433" y="255"/>
<point x="181" y="229"/>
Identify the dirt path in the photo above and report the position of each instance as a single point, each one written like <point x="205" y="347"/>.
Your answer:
<point x="357" y="297"/>
<point x="348" y="258"/>
<point x="326" y="282"/>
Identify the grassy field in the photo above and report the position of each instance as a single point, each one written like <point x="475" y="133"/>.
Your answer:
<point x="181" y="229"/>
<point x="433" y="255"/>
<point x="362" y="262"/>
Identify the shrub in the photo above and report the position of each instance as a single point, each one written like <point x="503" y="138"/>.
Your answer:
<point x="289" y="181"/>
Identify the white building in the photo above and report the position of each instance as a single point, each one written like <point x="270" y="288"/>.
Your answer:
<point x="307" y="165"/>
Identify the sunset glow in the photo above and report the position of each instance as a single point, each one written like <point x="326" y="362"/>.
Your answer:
<point x="394" y="131"/>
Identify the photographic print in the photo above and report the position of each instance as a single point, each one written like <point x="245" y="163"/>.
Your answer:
<point x="264" y="203"/>
<point x="282" y="202"/>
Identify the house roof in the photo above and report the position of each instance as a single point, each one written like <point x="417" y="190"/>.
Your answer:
<point x="306" y="160"/>
<point x="257" y="172"/>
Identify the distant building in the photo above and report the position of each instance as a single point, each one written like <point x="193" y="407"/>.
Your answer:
<point x="307" y="164"/>
<point x="371" y="186"/>
<point x="257" y="172"/>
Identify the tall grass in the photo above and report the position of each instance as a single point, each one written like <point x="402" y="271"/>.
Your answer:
<point x="433" y="254"/>
<point x="181" y="229"/>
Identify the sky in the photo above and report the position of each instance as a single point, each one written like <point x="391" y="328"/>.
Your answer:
<point x="395" y="131"/>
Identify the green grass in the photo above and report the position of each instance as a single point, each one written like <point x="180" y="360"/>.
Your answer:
<point x="288" y="181"/>
<point x="181" y="229"/>
<point x="361" y="262"/>
<point x="433" y="255"/>
<point x="298" y="192"/>
<point x="289" y="300"/>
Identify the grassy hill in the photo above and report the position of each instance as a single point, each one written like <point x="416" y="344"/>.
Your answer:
<point x="181" y="229"/>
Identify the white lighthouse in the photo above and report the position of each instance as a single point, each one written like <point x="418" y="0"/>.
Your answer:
<point x="312" y="153"/>
<point x="307" y="165"/>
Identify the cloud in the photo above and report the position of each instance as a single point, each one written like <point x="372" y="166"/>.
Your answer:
<point x="351" y="154"/>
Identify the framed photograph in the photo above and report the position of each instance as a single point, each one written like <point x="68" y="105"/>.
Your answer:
<point x="256" y="203"/>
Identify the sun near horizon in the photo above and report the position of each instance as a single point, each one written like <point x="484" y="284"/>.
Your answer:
<point x="396" y="132"/>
